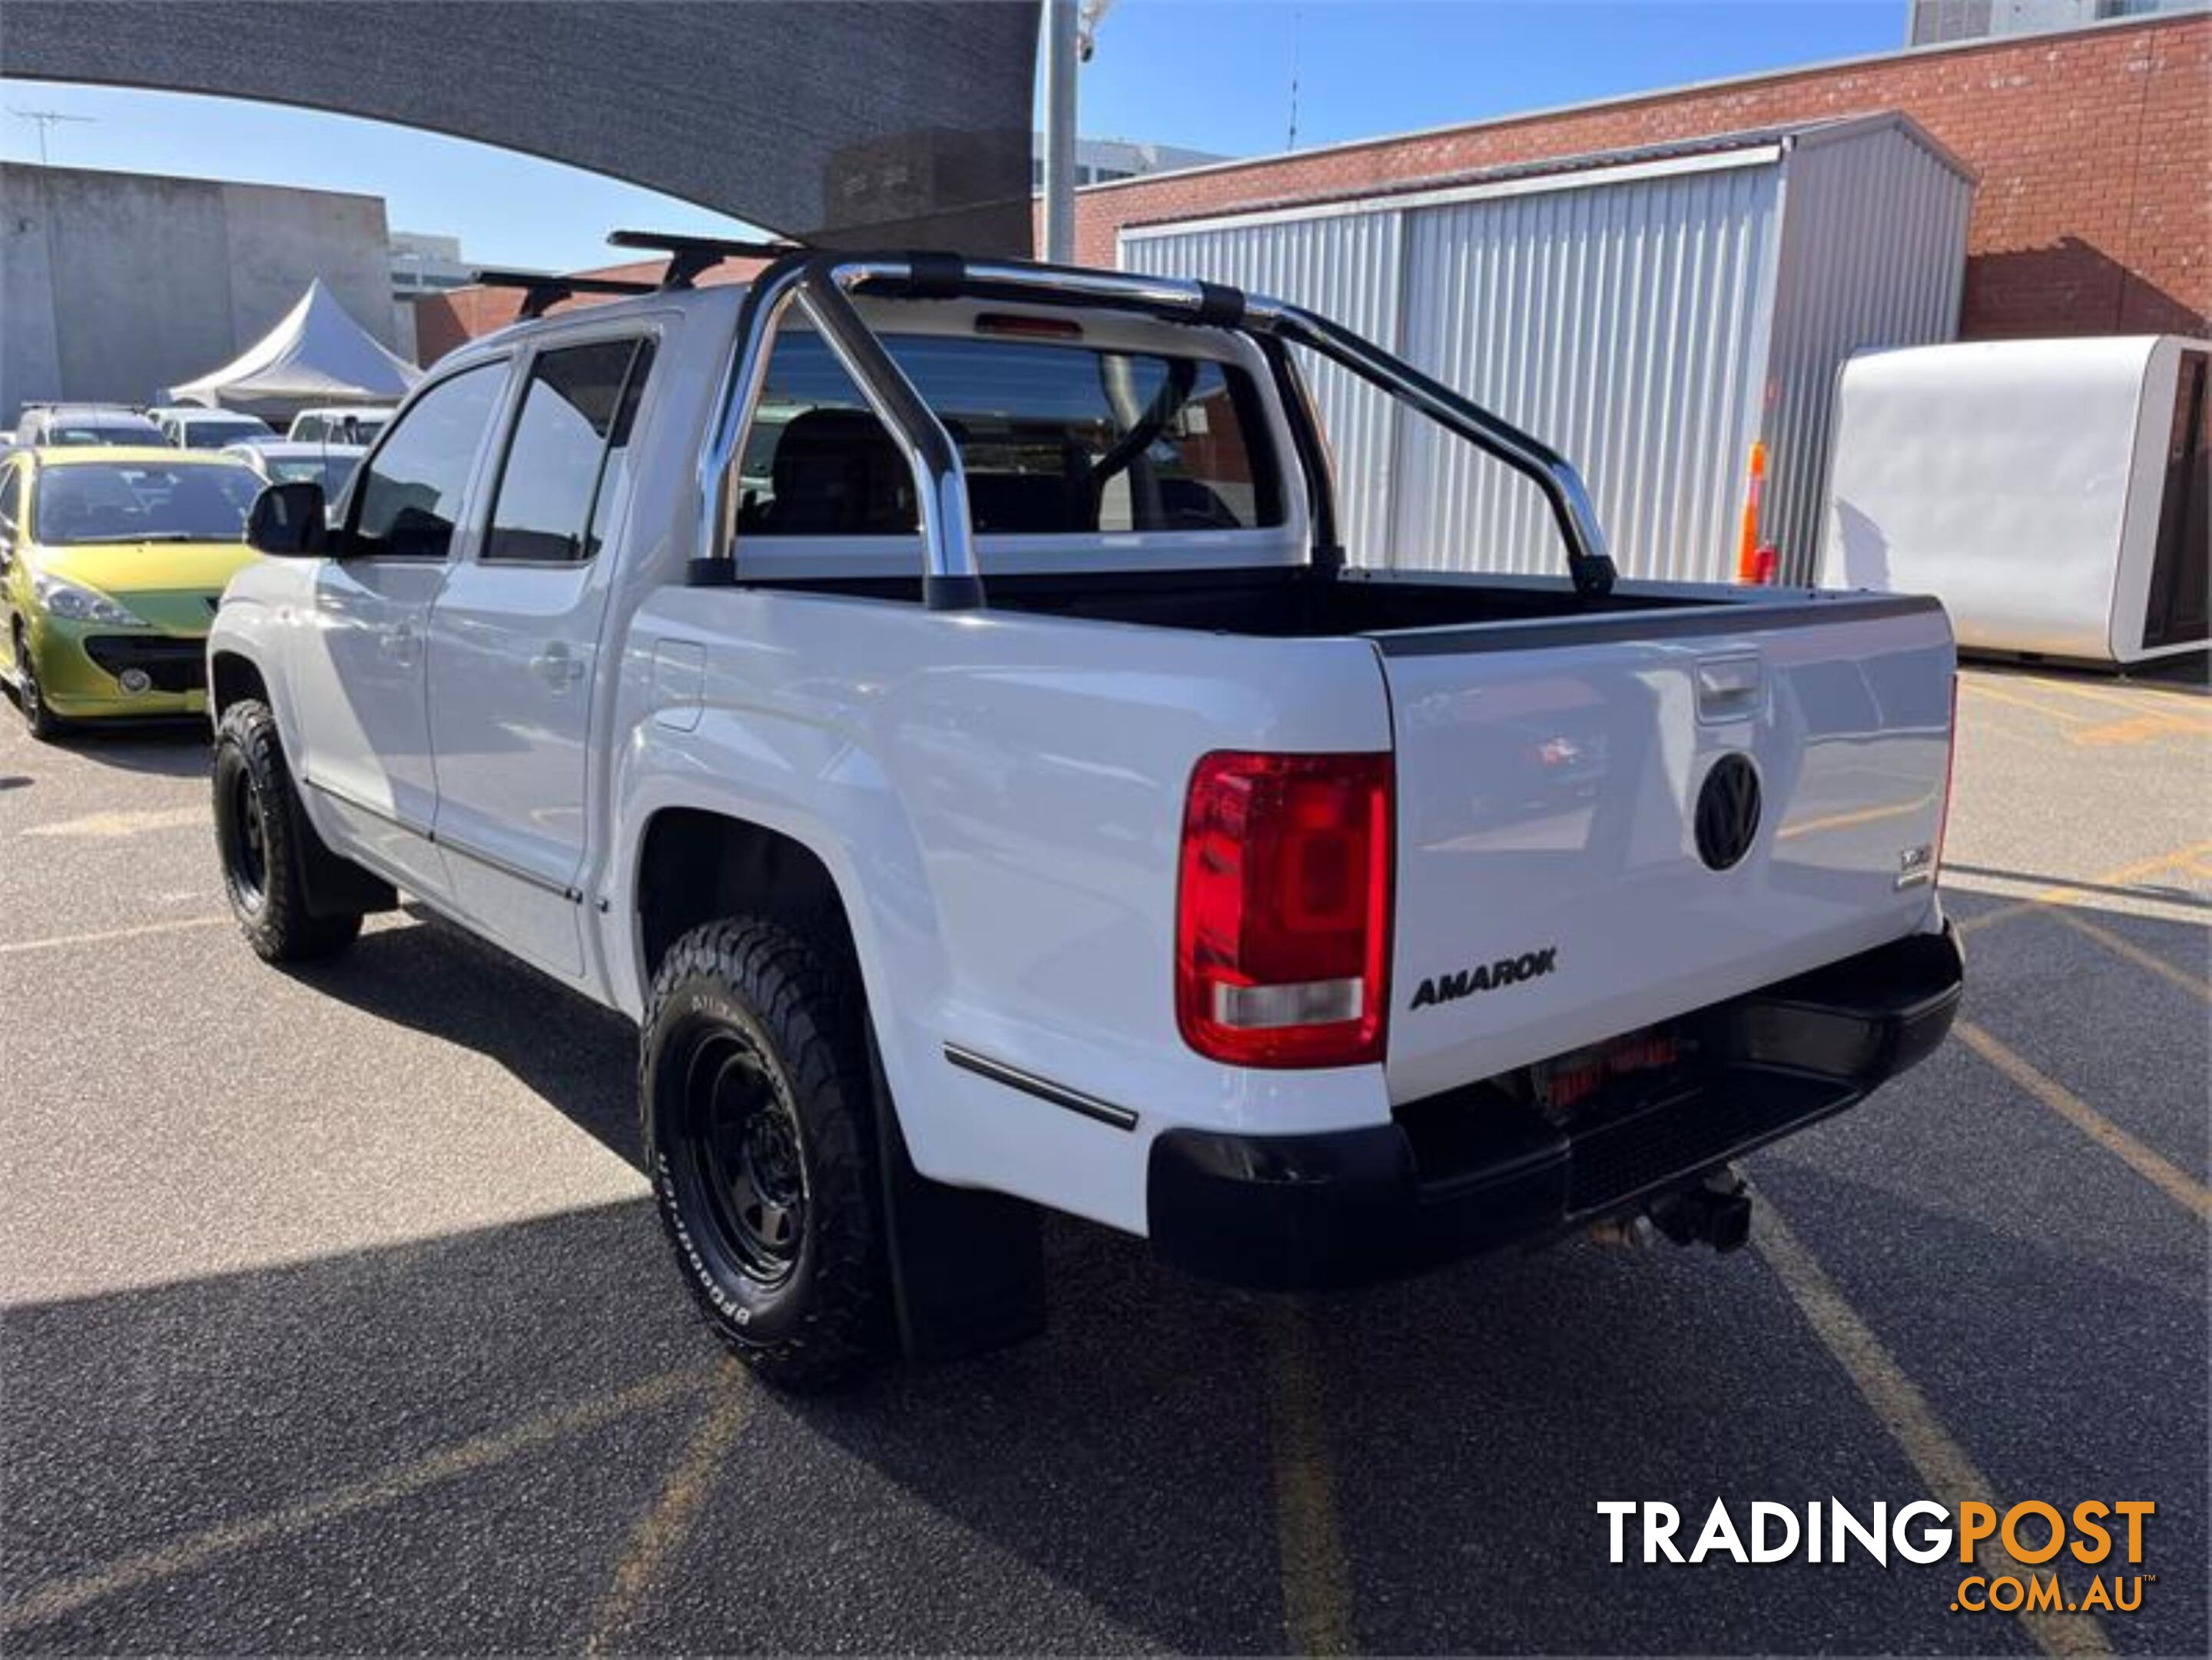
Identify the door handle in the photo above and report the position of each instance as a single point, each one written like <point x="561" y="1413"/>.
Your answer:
<point x="557" y="667"/>
<point x="397" y="643"/>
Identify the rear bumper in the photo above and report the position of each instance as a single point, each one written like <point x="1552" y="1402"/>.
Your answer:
<point x="1477" y="1167"/>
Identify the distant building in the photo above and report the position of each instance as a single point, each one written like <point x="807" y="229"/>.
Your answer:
<point x="1102" y="160"/>
<point x="1934" y="22"/>
<point x="423" y="264"/>
<point x="116" y="284"/>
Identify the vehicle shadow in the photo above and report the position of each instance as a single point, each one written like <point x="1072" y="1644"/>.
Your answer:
<point x="408" y="1449"/>
<point x="173" y="749"/>
<point x="1170" y="1465"/>
<point x="1964" y="905"/>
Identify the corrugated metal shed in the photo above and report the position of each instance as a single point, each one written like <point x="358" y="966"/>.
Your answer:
<point x="1651" y="313"/>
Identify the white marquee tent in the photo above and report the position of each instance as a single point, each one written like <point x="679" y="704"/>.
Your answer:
<point x="317" y="354"/>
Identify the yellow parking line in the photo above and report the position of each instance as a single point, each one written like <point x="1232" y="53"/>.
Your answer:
<point x="2156" y="1168"/>
<point x="2141" y="729"/>
<point x="661" y="1531"/>
<point x="1316" y="1586"/>
<point x="60" y="1596"/>
<point x="64" y="941"/>
<point x="1950" y="1475"/>
<point x="2141" y="699"/>
<point x="2018" y="701"/>
<point x="2135" y="953"/>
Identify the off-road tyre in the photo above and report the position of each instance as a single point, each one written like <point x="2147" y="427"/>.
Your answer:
<point x="262" y="842"/>
<point x="754" y="1089"/>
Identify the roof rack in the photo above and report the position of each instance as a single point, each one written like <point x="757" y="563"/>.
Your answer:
<point x="689" y="256"/>
<point x="542" y="289"/>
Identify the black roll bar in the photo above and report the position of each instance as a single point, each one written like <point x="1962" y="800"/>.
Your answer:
<point x="821" y="283"/>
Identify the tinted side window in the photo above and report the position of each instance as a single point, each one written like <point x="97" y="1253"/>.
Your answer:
<point x="407" y="500"/>
<point x="1055" y="438"/>
<point x="563" y="465"/>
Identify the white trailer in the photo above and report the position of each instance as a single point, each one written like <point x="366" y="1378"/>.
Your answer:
<point x="2052" y="493"/>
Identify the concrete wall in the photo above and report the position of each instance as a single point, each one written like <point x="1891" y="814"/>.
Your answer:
<point x="114" y="285"/>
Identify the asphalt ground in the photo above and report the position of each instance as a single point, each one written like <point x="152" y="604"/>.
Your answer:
<point x="333" y="1316"/>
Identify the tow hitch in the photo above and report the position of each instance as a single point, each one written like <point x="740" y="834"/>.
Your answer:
<point x="1714" y="1212"/>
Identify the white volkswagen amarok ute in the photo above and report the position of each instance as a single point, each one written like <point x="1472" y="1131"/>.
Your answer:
<point x="929" y="697"/>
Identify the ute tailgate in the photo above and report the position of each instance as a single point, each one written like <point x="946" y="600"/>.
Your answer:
<point x="1552" y="887"/>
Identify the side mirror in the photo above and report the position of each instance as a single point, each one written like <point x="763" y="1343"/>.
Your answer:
<point x="286" y="520"/>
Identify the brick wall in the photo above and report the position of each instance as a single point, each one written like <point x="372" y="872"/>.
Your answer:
<point x="2093" y="214"/>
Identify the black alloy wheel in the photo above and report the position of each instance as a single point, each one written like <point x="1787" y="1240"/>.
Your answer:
<point x="245" y="829"/>
<point x="739" y="1158"/>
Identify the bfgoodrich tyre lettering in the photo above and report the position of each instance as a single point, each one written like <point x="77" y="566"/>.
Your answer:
<point x="756" y="1116"/>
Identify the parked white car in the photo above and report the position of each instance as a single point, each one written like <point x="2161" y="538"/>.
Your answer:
<point x="987" y="788"/>
<point x="47" y="425"/>
<point x="349" y="424"/>
<point x="281" y="461"/>
<point x="192" y="426"/>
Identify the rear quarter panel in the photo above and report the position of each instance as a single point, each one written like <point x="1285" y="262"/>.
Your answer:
<point x="999" y="799"/>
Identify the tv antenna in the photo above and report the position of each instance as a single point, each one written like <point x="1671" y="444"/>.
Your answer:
<point x="1297" y="25"/>
<point x="45" y="121"/>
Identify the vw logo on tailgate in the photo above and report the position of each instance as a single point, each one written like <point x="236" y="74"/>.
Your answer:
<point x="1728" y="811"/>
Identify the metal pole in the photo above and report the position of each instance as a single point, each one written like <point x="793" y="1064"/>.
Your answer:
<point x="1061" y="18"/>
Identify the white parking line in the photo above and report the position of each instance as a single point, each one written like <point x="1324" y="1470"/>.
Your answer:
<point x="64" y="941"/>
<point x="110" y="826"/>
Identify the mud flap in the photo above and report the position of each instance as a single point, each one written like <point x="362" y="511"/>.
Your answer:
<point x="966" y="1268"/>
<point x="335" y="886"/>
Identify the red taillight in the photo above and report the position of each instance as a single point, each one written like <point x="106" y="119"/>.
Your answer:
<point x="1283" y="916"/>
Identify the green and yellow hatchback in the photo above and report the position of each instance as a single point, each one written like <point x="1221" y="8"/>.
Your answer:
<point x="111" y="561"/>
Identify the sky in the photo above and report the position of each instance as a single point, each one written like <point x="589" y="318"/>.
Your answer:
<point x="1212" y="74"/>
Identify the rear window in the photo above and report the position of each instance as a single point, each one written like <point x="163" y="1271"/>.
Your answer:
<point x="214" y="434"/>
<point x="84" y="432"/>
<point x="1057" y="440"/>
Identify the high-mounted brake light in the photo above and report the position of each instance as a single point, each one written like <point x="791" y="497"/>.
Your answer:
<point x="1021" y="325"/>
<point x="1283" y="912"/>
